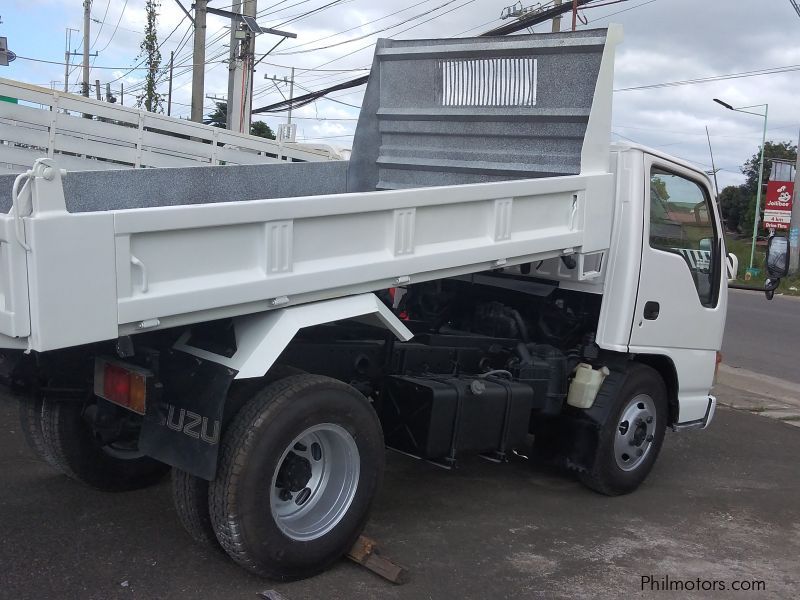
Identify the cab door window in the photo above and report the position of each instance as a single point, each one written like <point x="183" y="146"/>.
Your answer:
<point x="682" y="223"/>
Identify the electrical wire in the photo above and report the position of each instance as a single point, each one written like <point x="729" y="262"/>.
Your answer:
<point x="157" y="48"/>
<point x="619" y="12"/>
<point x="713" y="78"/>
<point x="360" y="26"/>
<point x="370" y="34"/>
<point x="102" y="24"/>
<point x="113" y="33"/>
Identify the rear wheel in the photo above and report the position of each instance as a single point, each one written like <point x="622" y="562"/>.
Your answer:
<point x="30" y="422"/>
<point x="299" y="467"/>
<point x="632" y="437"/>
<point x="190" y="493"/>
<point x="70" y="442"/>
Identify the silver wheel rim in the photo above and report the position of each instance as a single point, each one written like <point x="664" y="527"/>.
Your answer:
<point x="635" y="433"/>
<point x="315" y="481"/>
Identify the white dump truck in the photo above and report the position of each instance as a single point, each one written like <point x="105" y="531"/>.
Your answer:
<point x="486" y="271"/>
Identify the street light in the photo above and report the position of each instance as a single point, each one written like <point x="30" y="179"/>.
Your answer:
<point x="760" y="167"/>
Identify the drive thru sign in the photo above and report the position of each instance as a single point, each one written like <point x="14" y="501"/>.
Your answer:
<point x="778" y="209"/>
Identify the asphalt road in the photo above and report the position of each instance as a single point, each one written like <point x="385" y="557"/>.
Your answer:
<point x="762" y="336"/>
<point x="722" y="505"/>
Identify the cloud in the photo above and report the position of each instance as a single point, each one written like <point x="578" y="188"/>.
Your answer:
<point x="665" y="40"/>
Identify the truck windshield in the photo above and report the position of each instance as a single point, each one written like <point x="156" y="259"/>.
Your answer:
<point x="681" y="222"/>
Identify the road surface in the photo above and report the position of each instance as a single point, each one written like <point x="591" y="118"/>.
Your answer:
<point x="721" y="505"/>
<point x="763" y="336"/>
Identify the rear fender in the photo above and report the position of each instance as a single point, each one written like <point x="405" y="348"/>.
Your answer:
<point x="260" y="338"/>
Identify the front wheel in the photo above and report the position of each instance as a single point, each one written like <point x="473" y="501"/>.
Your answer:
<point x="299" y="467"/>
<point x="632" y="437"/>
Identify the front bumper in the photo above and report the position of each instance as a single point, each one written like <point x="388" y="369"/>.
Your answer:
<point x="699" y="423"/>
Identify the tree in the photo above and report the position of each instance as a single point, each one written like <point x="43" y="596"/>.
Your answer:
<point x="734" y="201"/>
<point x="738" y="203"/>
<point x="149" y="98"/>
<point x="219" y="118"/>
<point x="783" y="150"/>
<point x="261" y="129"/>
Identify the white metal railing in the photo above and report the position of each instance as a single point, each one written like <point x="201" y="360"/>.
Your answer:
<point x="47" y="123"/>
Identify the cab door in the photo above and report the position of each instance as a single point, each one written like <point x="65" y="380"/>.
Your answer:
<point x="682" y="296"/>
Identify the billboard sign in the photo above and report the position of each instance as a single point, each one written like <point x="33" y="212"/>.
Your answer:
<point x="778" y="209"/>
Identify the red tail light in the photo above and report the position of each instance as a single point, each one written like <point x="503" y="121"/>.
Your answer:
<point x="122" y="384"/>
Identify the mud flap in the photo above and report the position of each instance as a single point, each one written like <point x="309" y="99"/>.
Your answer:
<point x="183" y="426"/>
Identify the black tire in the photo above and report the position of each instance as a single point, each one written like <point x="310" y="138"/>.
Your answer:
<point x="30" y="422"/>
<point x="252" y="448"/>
<point x="74" y="450"/>
<point x="606" y="476"/>
<point x="190" y="493"/>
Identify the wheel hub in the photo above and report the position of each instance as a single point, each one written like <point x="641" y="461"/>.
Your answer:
<point x="294" y="474"/>
<point x="315" y="482"/>
<point x="635" y="432"/>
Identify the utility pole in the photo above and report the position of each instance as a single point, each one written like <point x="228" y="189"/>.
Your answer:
<point x="199" y="60"/>
<point x="169" y="93"/>
<point x="234" y="64"/>
<point x="286" y="132"/>
<point x="87" y="19"/>
<point x="291" y="96"/>
<point x="67" y="55"/>
<point x="574" y="15"/>
<point x="250" y="8"/>
<point x="66" y="71"/>
<point x="713" y="166"/>
<point x="794" y="226"/>
<point x="240" y="74"/>
<point x="97" y="88"/>
<point x="557" y="18"/>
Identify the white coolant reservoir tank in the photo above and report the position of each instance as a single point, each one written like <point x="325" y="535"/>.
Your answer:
<point x="585" y="385"/>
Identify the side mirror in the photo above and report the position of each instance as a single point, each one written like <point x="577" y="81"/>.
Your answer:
<point x="777" y="256"/>
<point x="777" y="263"/>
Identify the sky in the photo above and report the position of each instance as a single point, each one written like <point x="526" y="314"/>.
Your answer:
<point x="665" y="41"/>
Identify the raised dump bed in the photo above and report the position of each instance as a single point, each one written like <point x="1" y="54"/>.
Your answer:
<point x="469" y="154"/>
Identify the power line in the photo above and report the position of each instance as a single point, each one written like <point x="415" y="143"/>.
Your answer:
<point x="360" y="26"/>
<point x="113" y="33"/>
<point x="157" y="48"/>
<point x="620" y="11"/>
<point x="366" y="35"/>
<point x="713" y="78"/>
<point x="102" y="24"/>
<point x="264" y="11"/>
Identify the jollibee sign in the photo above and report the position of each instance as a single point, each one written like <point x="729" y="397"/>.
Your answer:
<point x="778" y="209"/>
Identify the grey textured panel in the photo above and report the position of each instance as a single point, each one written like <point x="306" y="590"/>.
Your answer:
<point x="470" y="110"/>
<point x="89" y="191"/>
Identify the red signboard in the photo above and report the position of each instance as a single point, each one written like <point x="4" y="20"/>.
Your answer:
<point x="778" y="209"/>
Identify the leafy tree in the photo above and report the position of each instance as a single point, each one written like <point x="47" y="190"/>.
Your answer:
<point x="261" y="129"/>
<point x="784" y="150"/>
<point x="149" y="98"/>
<point x="734" y="201"/>
<point x="219" y="118"/>
<point x="738" y="203"/>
